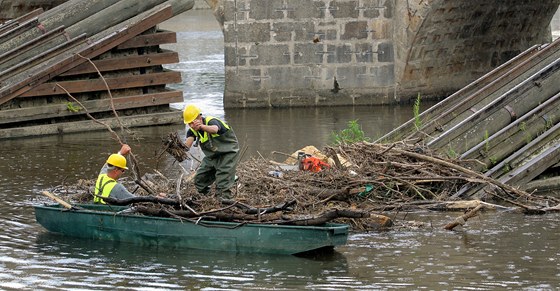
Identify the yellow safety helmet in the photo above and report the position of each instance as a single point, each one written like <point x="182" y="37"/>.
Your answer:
<point x="117" y="160"/>
<point x="191" y="113"/>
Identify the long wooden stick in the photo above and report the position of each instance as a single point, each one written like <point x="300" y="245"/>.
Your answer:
<point x="461" y="220"/>
<point x="57" y="199"/>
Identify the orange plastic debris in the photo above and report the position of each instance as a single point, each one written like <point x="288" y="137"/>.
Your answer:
<point x="313" y="164"/>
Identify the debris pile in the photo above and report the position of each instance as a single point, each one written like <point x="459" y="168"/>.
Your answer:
<point x="363" y="183"/>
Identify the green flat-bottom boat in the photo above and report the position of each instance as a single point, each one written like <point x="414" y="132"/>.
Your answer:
<point x="105" y="222"/>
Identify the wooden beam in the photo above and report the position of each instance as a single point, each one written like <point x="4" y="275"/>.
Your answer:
<point x="13" y="53"/>
<point x="172" y="117"/>
<point x="126" y="62"/>
<point x="18" y="29"/>
<point x="17" y="21"/>
<point x="92" y="106"/>
<point x="80" y="86"/>
<point x="161" y="37"/>
<point x="99" y="44"/>
<point x="39" y="58"/>
<point x="498" y="114"/>
<point x="515" y="135"/>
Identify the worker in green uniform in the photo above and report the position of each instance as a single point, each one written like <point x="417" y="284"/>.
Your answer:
<point x="107" y="185"/>
<point x="220" y="147"/>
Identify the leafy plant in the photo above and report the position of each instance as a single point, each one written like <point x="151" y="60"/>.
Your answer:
<point x="73" y="108"/>
<point x="451" y="153"/>
<point x="416" y="111"/>
<point x="352" y="134"/>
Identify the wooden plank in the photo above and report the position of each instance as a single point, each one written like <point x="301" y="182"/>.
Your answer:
<point x="80" y="86"/>
<point x="434" y="112"/>
<point x="92" y="106"/>
<point x="30" y="45"/>
<point x="99" y="44"/>
<point x="126" y="62"/>
<point x="513" y="161"/>
<point x="494" y="116"/>
<point x="42" y="56"/>
<point x="17" y="21"/>
<point x="533" y="168"/>
<point x="67" y="14"/>
<point x="172" y="117"/>
<point x="517" y="134"/>
<point x="153" y="39"/>
<point x="19" y="29"/>
<point x="483" y="90"/>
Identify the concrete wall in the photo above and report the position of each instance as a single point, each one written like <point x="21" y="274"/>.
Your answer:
<point x="290" y="52"/>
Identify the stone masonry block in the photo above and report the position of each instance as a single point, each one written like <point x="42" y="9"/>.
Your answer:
<point x="382" y="28"/>
<point x="342" y="54"/>
<point x="270" y="55"/>
<point x="349" y="77"/>
<point x="302" y="31"/>
<point x="231" y="56"/>
<point x="243" y="80"/>
<point x="289" y="77"/>
<point x="304" y="10"/>
<point x="355" y="30"/>
<point x="372" y="9"/>
<point x="308" y="53"/>
<point x="266" y="9"/>
<point x="364" y="53"/>
<point x="326" y="34"/>
<point x="389" y="8"/>
<point x="248" y="32"/>
<point x="230" y="10"/>
<point x="385" y="52"/>
<point x="383" y="75"/>
<point x="346" y="9"/>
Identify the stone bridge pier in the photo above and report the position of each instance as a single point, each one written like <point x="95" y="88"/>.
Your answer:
<point x="369" y="52"/>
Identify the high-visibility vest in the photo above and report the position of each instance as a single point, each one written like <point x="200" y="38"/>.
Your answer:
<point x="103" y="187"/>
<point x="203" y="135"/>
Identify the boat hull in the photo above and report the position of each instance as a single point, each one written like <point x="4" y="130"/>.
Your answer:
<point x="103" y="222"/>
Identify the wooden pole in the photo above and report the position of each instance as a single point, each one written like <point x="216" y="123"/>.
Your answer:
<point x="57" y="199"/>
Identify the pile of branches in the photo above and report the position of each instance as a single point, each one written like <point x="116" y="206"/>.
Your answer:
<point x="365" y="182"/>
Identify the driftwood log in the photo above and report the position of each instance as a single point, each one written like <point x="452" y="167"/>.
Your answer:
<point x="461" y="220"/>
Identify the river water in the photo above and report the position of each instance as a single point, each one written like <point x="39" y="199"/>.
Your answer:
<point x="504" y="251"/>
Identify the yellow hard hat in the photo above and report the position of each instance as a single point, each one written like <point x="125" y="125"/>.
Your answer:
<point x="117" y="160"/>
<point x="191" y="113"/>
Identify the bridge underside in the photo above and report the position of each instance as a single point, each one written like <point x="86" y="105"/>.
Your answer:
<point x="447" y="44"/>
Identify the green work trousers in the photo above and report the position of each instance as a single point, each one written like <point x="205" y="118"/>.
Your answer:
<point x="220" y="169"/>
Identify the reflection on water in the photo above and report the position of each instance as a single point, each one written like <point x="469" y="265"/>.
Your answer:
<point x="139" y="267"/>
<point x="493" y="251"/>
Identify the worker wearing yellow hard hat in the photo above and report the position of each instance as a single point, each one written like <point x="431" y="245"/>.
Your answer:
<point x="220" y="147"/>
<point x="106" y="184"/>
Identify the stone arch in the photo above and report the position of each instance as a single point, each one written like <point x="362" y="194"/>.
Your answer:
<point x="443" y="45"/>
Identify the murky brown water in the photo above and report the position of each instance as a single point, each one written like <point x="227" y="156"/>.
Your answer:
<point x="495" y="251"/>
